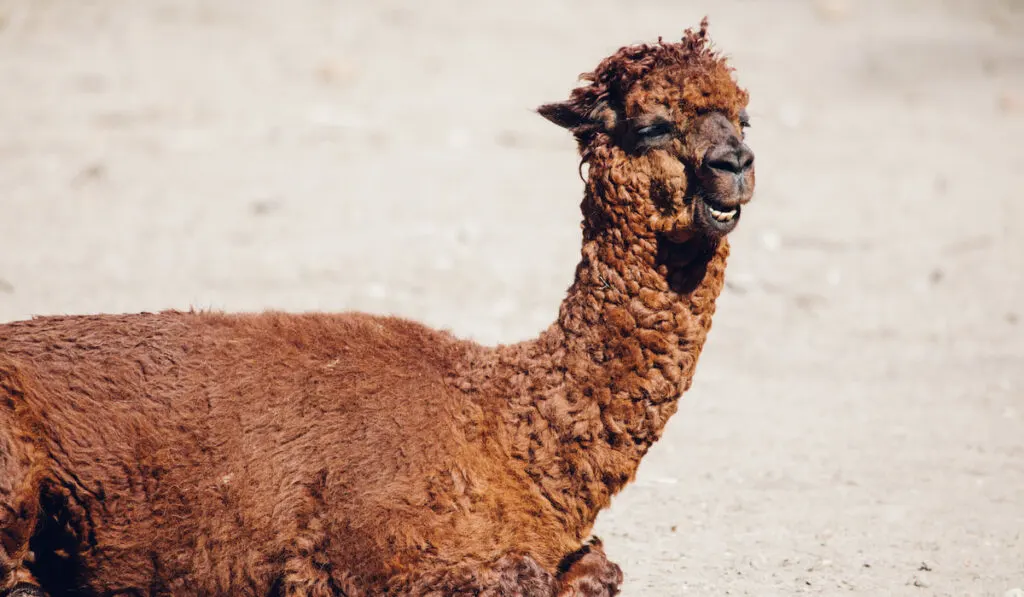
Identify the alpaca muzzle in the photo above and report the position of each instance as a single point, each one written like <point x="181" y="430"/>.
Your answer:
<point x="726" y="178"/>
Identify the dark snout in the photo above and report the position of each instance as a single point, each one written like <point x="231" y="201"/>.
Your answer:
<point x="725" y="175"/>
<point x="734" y="158"/>
<point x="727" y="172"/>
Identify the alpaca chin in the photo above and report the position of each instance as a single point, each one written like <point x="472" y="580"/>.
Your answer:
<point x="714" y="218"/>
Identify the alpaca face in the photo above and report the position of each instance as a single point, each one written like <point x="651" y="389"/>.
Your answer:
<point x="661" y="128"/>
<point x="684" y="130"/>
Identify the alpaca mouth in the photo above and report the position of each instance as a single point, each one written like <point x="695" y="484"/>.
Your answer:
<point x="717" y="217"/>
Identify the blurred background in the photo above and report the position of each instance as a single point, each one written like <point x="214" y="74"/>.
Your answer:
<point x="857" y="421"/>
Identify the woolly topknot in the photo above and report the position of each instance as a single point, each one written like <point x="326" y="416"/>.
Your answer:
<point x="615" y="74"/>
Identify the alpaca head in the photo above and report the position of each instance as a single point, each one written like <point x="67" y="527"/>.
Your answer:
<point x="661" y="130"/>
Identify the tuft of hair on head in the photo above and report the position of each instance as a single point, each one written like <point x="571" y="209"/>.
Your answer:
<point x="698" y="41"/>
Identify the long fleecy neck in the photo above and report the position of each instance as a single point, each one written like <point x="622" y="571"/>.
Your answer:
<point x="632" y="341"/>
<point x="584" y="401"/>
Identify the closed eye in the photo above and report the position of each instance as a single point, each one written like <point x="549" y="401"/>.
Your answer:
<point x="656" y="134"/>
<point x="744" y="122"/>
<point x="653" y="131"/>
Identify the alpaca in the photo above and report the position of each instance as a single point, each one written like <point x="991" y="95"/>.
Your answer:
<point x="201" y="453"/>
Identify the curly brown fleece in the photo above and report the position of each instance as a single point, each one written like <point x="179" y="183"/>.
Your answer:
<point x="348" y="454"/>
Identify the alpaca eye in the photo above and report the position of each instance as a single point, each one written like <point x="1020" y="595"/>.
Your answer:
<point x="654" y="132"/>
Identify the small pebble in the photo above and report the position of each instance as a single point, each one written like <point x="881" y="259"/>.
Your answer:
<point x="335" y="73"/>
<point x="263" y="207"/>
<point x="91" y="173"/>
<point x="508" y="139"/>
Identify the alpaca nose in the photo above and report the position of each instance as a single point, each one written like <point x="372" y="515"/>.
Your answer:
<point x="734" y="159"/>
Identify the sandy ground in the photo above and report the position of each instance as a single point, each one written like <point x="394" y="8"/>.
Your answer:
<point x="857" y="422"/>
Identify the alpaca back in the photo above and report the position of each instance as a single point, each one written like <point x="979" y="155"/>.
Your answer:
<point x="195" y="429"/>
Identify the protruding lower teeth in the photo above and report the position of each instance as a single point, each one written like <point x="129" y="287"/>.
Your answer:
<point x="722" y="216"/>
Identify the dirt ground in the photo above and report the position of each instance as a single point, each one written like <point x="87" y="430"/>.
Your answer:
<point x="857" y="422"/>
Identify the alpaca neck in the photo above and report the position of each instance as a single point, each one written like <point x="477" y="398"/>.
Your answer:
<point x="632" y="342"/>
<point x="588" y="397"/>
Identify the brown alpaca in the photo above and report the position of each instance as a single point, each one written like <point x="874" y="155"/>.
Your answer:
<point x="348" y="454"/>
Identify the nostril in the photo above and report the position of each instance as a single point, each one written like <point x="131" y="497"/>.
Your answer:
<point x="745" y="158"/>
<point x="733" y="160"/>
<point x="728" y="162"/>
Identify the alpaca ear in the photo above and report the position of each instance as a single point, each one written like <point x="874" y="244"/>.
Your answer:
<point x="576" y="118"/>
<point x="565" y="114"/>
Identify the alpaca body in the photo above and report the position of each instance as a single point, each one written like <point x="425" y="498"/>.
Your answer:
<point x="370" y="447"/>
<point x="349" y="454"/>
<point x="272" y="438"/>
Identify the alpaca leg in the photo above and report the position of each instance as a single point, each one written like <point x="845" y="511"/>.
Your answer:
<point x="21" y="475"/>
<point x="513" y="575"/>
<point x="308" y="568"/>
<point x="19" y="511"/>
<point x="310" y="577"/>
<point x="25" y="590"/>
<point x="588" y="573"/>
